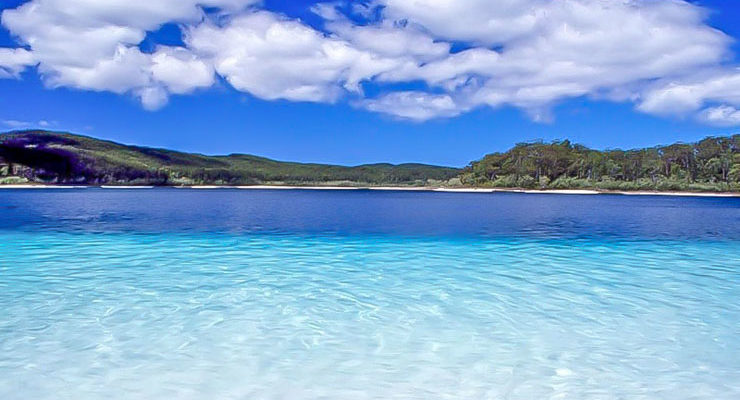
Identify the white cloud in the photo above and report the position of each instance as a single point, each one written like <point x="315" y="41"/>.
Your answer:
<point x="722" y="116"/>
<point x="129" y="16"/>
<point x="93" y="44"/>
<point x="479" y="21"/>
<point x="384" y="38"/>
<point x="152" y="97"/>
<point x="712" y="98"/>
<point x="691" y="93"/>
<point x="548" y="51"/>
<point x="417" y="106"/>
<point x="529" y="54"/>
<point x="16" y="124"/>
<point x="278" y="58"/>
<point x="14" y="61"/>
<point x="179" y="70"/>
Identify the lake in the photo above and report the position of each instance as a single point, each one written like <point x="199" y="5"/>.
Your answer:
<point x="303" y="294"/>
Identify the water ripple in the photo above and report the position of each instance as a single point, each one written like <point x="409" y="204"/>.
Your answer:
<point x="216" y="315"/>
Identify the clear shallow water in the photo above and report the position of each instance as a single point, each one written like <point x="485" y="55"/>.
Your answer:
<point x="166" y="294"/>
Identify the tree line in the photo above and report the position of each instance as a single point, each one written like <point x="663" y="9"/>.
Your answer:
<point x="712" y="164"/>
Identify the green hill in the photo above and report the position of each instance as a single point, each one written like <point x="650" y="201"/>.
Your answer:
<point x="62" y="158"/>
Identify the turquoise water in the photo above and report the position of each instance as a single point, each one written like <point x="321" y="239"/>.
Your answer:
<point x="328" y="295"/>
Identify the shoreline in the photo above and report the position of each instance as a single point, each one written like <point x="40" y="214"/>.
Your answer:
<point x="390" y="188"/>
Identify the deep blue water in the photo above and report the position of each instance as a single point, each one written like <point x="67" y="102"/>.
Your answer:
<point x="365" y="212"/>
<point x="300" y="294"/>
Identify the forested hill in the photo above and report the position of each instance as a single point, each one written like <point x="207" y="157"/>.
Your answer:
<point x="60" y="158"/>
<point x="712" y="164"/>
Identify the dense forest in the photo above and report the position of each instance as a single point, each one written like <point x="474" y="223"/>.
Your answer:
<point x="712" y="164"/>
<point x="60" y="158"/>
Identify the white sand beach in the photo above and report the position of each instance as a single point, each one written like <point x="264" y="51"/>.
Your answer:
<point x="125" y="187"/>
<point x="395" y="188"/>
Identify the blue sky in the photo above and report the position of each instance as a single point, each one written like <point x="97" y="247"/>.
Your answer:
<point x="384" y="83"/>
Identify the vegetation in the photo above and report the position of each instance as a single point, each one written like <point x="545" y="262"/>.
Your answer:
<point x="60" y="158"/>
<point x="712" y="164"/>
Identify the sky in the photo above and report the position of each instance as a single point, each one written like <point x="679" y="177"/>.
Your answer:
<point x="351" y="82"/>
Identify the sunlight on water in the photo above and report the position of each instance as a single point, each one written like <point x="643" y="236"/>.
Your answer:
<point x="206" y="315"/>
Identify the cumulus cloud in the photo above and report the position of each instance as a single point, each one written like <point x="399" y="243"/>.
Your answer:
<point x="692" y="93"/>
<point x="93" y="45"/>
<point x="713" y="98"/>
<point x="529" y="54"/>
<point x="478" y="21"/>
<point x="414" y="105"/>
<point x="171" y="64"/>
<point x="385" y="37"/>
<point x="547" y="51"/>
<point x="277" y="58"/>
